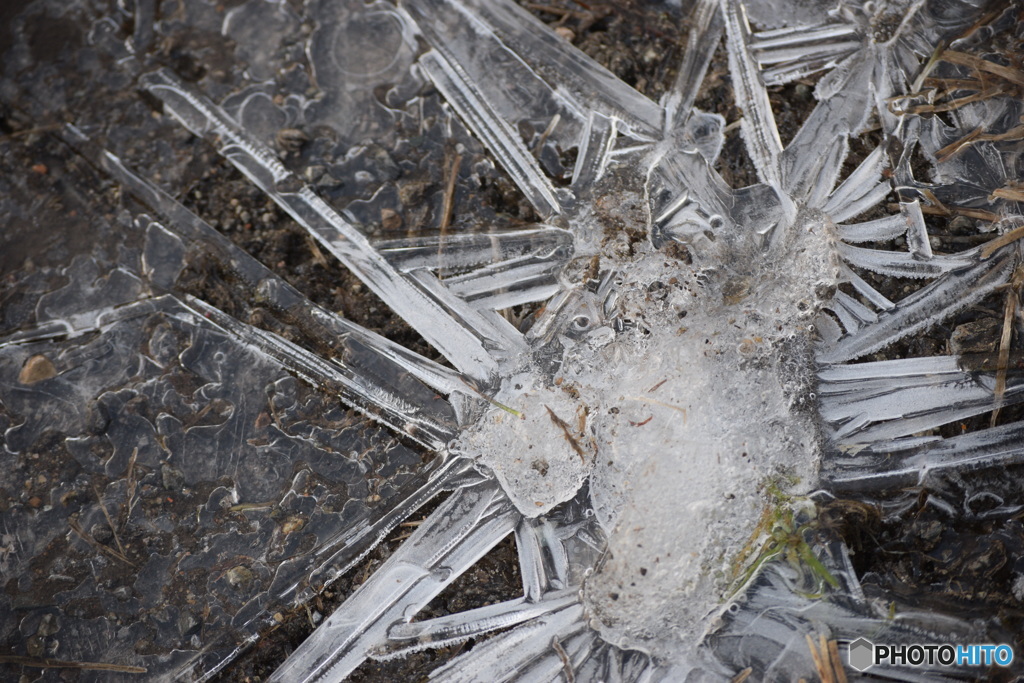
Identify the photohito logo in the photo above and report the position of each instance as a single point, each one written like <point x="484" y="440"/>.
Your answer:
<point x="863" y="654"/>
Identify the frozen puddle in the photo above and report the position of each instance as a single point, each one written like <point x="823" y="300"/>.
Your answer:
<point x="649" y="378"/>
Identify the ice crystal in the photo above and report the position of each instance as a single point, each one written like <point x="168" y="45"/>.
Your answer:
<point x="657" y="432"/>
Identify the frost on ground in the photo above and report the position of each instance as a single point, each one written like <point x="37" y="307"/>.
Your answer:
<point x="650" y="379"/>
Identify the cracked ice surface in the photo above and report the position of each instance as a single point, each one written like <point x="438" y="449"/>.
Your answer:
<point x="679" y="388"/>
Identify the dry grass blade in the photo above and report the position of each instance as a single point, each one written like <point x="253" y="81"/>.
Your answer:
<point x="1009" y="311"/>
<point x="963" y="59"/>
<point x="449" y="194"/>
<point x="318" y="255"/>
<point x="837" y="663"/>
<point x="976" y="136"/>
<point x="824" y="671"/>
<point x="976" y="214"/>
<point x="547" y="132"/>
<point x="85" y="536"/>
<point x="1014" y="193"/>
<point x="110" y="522"/>
<point x="1001" y="241"/>
<point x="952" y="148"/>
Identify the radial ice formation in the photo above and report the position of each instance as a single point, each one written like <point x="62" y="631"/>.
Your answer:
<point x="653" y="431"/>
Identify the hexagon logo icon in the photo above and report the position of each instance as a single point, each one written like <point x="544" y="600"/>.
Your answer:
<point x="862" y="654"/>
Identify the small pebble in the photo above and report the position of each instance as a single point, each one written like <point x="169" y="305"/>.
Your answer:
<point x="36" y="369"/>
<point x="239" y="576"/>
<point x="390" y="219"/>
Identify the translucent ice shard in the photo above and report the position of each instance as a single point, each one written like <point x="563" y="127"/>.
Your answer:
<point x="526" y="650"/>
<point x="468" y="250"/>
<point x="884" y="400"/>
<point x="454" y="537"/>
<point x="468" y="347"/>
<point x="407" y="637"/>
<point x="924" y="308"/>
<point x="909" y="461"/>
<point x="759" y="129"/>
<point x="497" y="30"/>
<point x="366" y="391"/>
<point x="796" y="52"/>
<point x="314" y="320"/>
<point x="703" y="38"/>
<point x="499" y="136"/>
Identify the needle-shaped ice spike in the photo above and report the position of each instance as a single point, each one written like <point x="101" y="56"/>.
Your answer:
<point x="466" y="347"/>
<point x="407" y="637"/>
<point x="852" y="314"/>
<point x="758" y="126"/>
<point x="907" y="462"/>
<point x="857" y="192"/>
<point x="791" y="53"/>
<point x="507" y="656"/>
<point x="461" y="251"/>
<point x="371" y="393"/>
<point x="498" y="134"/>
<point x="315" y="321"/>
<point x="500" y="27"/>
<point x="508" y="283"/>
<point x="906" y="264"/>
<point x="865" y="290"/>
<point x="706" y="23"/>
<point x="885" y="400"/>
<point x="942" y="298"/>
<point x="596" y="144"/>
<point x="453" y="538"/>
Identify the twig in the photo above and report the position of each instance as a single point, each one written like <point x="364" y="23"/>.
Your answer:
<point x="824" y="672"/>
<point x="449" y="197"/>
<point x="64" y="664"/>
<point x="826" y="659"/>
<point x="568" y="434"/>
<point x="742" y="676"/>
<point x="110" y="522"/>
<point x="544" y="136"/>
<point x="837" y="663"/>
<point x="132" y="484"/>
<point x="570" y="676"/>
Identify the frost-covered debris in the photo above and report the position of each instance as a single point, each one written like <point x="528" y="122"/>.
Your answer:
<point x="651" y="435"/>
